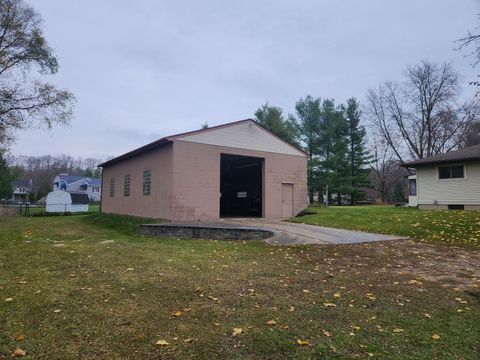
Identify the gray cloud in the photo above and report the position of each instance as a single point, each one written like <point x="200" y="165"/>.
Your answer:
<point x="147" y="69"/>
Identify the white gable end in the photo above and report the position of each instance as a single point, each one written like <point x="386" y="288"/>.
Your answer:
<point x="245" y="135"/>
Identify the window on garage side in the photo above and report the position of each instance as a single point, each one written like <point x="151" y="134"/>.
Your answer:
<point x="112" y="187"/>
<point x="451" y="172"/>
<point x="126" y="185"/>
<point x="147" y="182"/>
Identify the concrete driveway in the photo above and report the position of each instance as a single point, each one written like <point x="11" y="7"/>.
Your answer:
<point x="287" y="233"/>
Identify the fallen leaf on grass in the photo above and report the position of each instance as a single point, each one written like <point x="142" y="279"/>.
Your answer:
<point x="303" y="342"/>
<point x="329" y="304"/>
<point x="162" y="343"/>
<point x="237" y="331"/>
<point x="271" y="322"/>
<point x="20" y="338"/>
<point x="9" y="299"/>
<point x="326" y="333"/>
<point x="426" y="315"/>
<point x="57" y="311"/>
<point x="177" y="314"/>
<point x="212" y="298"/>
<point x="436" y="337"/>
<point x="186" y="341"/>
<point x="19" y="352"/>
<point x="415" y="282"/>
<point x="397" y="330"/>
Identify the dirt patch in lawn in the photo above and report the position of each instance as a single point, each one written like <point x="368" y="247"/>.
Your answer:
<point x="449" y="266"/>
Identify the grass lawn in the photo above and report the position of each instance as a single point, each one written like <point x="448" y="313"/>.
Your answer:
<point x="460" y="228"/>
<point x="89" y="287"/>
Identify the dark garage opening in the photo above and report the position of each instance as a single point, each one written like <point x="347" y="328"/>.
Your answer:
<point x="240" y="186"/>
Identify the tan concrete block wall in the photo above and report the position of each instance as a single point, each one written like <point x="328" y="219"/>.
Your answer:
<point x="155" y="205"/>
<point x="196" y="180"/>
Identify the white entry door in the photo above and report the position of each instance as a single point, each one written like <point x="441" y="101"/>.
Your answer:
<point x="287" y="200"/>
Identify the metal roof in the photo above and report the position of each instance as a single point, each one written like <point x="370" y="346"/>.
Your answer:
<point x="170" y="138"/>
<point x="79" y="198"/>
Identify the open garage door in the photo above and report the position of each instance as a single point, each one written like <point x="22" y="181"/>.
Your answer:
<point x="241" y="186"/>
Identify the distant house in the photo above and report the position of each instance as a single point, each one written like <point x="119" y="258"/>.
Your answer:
<point x="21" y="190"/>
<point x="446" y="181"/>
<point x="79" y="184"/>
<point x="59" y="201"/>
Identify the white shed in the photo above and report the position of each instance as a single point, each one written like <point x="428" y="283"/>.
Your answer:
<point x="60" y="201"/>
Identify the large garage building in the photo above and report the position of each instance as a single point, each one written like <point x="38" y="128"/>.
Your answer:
<point x="238" y="169"/>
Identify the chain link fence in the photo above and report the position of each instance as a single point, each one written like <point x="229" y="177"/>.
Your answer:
<point x="12" y="208"/>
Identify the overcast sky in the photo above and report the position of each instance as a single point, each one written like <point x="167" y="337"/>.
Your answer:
<point x="145" y="69"/>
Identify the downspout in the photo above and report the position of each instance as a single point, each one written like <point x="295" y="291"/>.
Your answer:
<point x="101" y="191"/>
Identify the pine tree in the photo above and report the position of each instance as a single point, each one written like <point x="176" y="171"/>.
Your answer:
<point x="307" y="124"/>
<point x="333" y="164"/>
<point x="272" y="118"/>
<point x="357" y="153"/>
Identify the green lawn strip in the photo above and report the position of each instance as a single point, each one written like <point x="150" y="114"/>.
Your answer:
<point x="118" y="291"/>
<point x="461" y="228"/>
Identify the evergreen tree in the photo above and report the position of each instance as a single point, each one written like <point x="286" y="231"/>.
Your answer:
<point x="333" y="167"/>
<point x="5" y="178"/>
<point x="307" y="124"/>
<point x="357" y="153"/>
<point x="272" y="118"/>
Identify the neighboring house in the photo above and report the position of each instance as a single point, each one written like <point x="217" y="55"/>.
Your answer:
<point x="446" y="181"/>
<point x="79" y="184"/>
<point x="238" y="169"/>
<point x="60" y="201"/>
<point x="21" y="190"/>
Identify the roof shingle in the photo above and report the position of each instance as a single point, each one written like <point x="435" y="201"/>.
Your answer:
<point x="465" y="154"/>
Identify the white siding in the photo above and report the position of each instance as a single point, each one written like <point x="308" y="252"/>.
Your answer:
<point x="245" y="135"/>
<point x="79" y="208"/>
<point x="59" y="201"/>
<point x="412" y="199"/>
<point x="448" y="191"/>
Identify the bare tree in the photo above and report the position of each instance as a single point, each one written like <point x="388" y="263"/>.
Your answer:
<point x="383" y="168"/>
<point x="471" y="41"/>
<point x="421" y="116"/>
<point x="26" y="99"/>
<point x="472" y="137"/>
<point x="43" y="169"/>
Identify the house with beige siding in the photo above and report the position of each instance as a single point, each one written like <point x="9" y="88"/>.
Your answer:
<point x="446" y="181"/>
<point x="238" y="169"/>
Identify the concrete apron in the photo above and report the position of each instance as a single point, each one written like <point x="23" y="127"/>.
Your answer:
<point x="287" y="233"/>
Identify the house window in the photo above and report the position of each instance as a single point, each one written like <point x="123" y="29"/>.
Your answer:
<point x="126" y="185"/>
<point x="412" y="187"/>
<point x="112" y="187"/>
<point x="147" y="182"/>
<point x="451" y="172"/>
